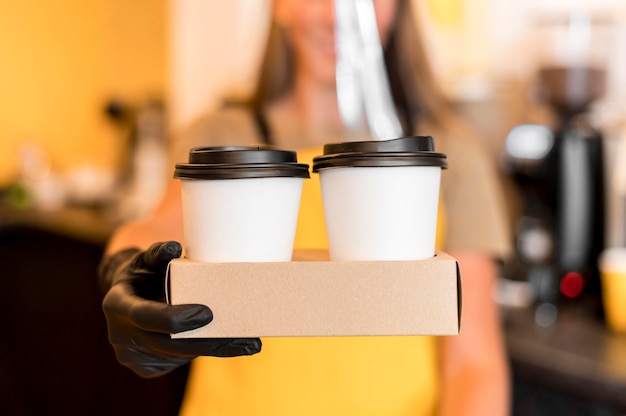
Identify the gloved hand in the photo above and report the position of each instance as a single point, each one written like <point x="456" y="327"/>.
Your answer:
<point x="140" y="322"/>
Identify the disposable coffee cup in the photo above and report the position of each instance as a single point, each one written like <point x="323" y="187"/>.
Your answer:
<point x="381" y="198"/>
<point x="612" y="266"/>
<point x="240" y="204"/>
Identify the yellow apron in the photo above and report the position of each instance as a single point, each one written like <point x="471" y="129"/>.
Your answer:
<point x="318" y="375"/>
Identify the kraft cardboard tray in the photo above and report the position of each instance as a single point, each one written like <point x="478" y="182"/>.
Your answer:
<point x="312" y="296"/>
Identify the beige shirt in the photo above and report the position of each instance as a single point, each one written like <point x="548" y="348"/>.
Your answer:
<point x="471" y="192"/>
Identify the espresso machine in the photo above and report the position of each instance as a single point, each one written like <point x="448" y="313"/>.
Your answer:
<point x="559" y="171"/>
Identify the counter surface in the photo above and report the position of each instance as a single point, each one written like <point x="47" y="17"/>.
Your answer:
<point x="577" y="355"/>
<point x="92" y="225"/>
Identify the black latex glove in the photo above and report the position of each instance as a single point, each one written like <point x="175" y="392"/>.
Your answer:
<point x="140" y="322"/>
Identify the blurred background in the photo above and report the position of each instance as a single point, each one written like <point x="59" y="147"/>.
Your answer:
<point x="93" y="92"/>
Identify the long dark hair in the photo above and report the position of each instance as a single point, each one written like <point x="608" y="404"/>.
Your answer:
<point x="412" y="82"/>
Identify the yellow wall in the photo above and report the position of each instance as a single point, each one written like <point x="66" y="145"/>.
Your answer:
<point x="60" y="61"/>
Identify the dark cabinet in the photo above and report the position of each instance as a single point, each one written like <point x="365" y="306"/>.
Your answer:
<point x="55" y="357"/>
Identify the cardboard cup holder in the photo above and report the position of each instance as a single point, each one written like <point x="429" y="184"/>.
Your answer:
<point x="313" y="296"/>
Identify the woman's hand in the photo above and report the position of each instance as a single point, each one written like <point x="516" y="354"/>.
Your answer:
<point x="140" y="322"/>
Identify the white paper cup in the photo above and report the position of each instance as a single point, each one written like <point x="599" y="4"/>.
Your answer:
<point x="381" y="198"/>
<point x="240" y="204"/>
<point x="612" y="267"/>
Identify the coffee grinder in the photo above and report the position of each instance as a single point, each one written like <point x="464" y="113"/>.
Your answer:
<point x="559" y="169"/>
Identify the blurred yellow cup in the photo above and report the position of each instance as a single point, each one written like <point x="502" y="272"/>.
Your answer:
<point x="612" y="266"/>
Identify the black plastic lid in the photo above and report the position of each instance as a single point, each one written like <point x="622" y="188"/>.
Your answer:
<point x="406" y="144"/>
<point x="238" y="162"/>
<point x="406" y="151"/>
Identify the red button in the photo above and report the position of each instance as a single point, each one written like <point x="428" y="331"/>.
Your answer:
<point x="572" y="284"/>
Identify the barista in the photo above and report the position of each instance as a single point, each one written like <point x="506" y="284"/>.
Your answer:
<point x="295" y="107"/>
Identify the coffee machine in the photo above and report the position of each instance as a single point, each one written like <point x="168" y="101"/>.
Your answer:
<point x="559" y="171"/>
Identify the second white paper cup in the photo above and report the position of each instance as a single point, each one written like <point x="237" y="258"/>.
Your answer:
<point x="381" y="199"/>
<point x="381" y="213"/>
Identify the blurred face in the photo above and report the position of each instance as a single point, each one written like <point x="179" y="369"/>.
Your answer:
<point x="310" y="28"/>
